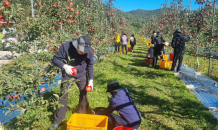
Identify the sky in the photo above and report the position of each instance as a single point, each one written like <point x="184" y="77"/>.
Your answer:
<point x="128" y="5"/>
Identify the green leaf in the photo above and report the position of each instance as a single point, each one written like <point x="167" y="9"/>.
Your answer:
<point x="60" y="105"/>
<point x="6" y="12"/>
<point x="6" y="113"/>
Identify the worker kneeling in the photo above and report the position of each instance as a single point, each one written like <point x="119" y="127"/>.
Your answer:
<point x="121" y="101"/>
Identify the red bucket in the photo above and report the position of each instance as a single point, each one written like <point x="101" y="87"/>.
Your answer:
<point x="129" y="48"/>
<point x="171" y="57"/>
<point x="122" y="128"/>
<point x="148" y="61"/>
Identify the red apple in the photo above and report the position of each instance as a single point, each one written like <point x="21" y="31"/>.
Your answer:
<point x="74" y="70"/>
<point x="15" y="97"/>
<point x="2" y="19"/>
<point x="42" y="76"/>
<point x="106" y="55"/>
<point x="66" y="7"/>
<point x="76" y="13"/>
<point x="53" y="5"/>
<point x="40" y="4"/>
<point x="40" y="60"/>
<point x="10" y="98"/>
<point x="69" y="21"/>
<point x="59" y="22"/>
<point x="59" y="2"/>
<point x="88" y="88"/>
<point x="71" y="3"/>
<point x="70" y="16"/>
<point x="72" y="9"/>
<point x="42" y="89"/>
<point x="22" y="119"/>
<point x="53" y="28"/>
<point x="216" y="38"/>
<point x="7" y="4"/>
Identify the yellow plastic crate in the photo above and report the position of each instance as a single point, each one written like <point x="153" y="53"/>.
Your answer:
<point x="87" y="122"/>
<point x="169" y="63"/>
<point x="165" y="57"/>
<point x="147" y="41"/>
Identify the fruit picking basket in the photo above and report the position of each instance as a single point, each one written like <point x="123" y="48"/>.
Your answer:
<point x="87" y="122"/>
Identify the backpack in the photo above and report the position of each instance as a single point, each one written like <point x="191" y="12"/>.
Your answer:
<point x="132" y="39"/>
<point x="150" y="53"/>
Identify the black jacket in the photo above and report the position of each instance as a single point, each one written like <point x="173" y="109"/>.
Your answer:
<point x="158" y="48"/>
<point x="158" y="40"/>
<point x="152" y="39"/>
<point x="178" y="42"/>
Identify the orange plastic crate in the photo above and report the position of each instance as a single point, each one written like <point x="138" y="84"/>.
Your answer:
<point x="87" y="122"/>
<point x="165" y="64"/>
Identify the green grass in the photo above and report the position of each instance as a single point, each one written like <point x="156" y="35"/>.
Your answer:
<point x="163" y="100"/>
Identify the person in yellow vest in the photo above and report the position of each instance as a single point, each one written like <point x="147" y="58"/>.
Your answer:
<point x="117" y="42"/>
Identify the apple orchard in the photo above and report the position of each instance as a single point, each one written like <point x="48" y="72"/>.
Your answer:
<point x="53" y="23"/>
<point x="200" y="24"/>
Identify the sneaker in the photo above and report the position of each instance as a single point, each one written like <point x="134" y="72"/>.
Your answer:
<point x="54" y="126"/>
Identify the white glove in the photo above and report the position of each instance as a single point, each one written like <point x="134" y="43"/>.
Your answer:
<point x="91" y="83"/>
<point x="68" y="69"/>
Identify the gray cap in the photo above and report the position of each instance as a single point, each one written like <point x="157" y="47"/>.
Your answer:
<point x="83" y="44"/>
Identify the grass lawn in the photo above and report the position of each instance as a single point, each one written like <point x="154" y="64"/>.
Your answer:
<point x="163" y="100"/>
